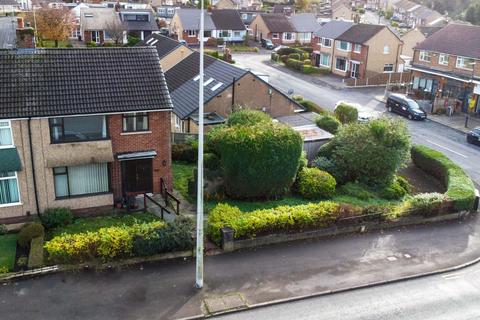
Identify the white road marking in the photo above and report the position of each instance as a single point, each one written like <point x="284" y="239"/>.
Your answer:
<point x="448" y="149"/>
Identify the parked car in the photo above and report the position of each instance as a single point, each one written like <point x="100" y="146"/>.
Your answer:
<point x="473" y="136"/>
<point x="405" y="106"/>
<point x="267" y="44"/>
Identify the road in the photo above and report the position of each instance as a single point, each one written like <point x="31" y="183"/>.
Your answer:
<point x="429" y="133"/>
<point x="448" y="296"/>
<point x="7" y="33"/>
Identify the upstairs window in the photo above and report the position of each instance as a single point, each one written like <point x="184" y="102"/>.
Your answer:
<point x="443" y="59"/>
<point x="275" y="36"/>
<point x="425" y="56"/>
<point x="344" y="45"/>
<point x="135" y="122"/>
<point x="6" y="139"/>
<point x="327" y="43"/>
<point x="465" y="63"/>
<point x="76" y="129"/>
<point x="192" y="33"/>
<point x="386" y="49"/>
<point x="357" y="48"/>
<point x="288" y="36"/>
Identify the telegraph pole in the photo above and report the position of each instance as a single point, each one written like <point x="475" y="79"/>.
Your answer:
<point x="199" y="250"/>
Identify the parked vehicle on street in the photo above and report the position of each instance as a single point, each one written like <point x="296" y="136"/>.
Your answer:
<point x="405" y="106"/>
<point x="267" y="44"/>
<point x="473" y="136"/>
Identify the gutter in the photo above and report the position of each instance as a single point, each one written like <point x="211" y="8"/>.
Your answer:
<point x="32" y="162"/>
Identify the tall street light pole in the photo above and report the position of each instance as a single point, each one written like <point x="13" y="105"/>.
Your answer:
<point x="199" y="250"/>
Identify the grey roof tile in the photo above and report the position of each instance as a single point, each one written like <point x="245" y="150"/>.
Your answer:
<point x="227" y="19"/>
<point x="333" y="29"/>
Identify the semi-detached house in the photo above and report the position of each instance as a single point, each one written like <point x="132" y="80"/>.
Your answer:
<point x="70" y="137"/>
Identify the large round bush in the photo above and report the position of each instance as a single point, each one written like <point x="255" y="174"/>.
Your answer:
<point x="316" y="184"/>
<point x="369" y="153"/>
<point x="346" y="113"/>
<point x="28" y="232"/>
<point x="258" y="161"/>
<point x="247" y="117"/>
<point x="328" y="123"/>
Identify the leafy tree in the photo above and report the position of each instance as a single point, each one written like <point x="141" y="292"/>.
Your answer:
<point x="247" y="117"/>
<point x="206" y="4"/>
<point x="54" y="24"/>
<point x="303" y="4"/>
<point x="346" y="113"/>
<point x="369" y="153"/>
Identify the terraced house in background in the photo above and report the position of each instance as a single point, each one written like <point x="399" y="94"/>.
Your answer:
<point x="70" y="138"/>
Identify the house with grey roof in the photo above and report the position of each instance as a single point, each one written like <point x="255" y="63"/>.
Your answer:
<point x="323" y="40"/>
<point x="305" y="25"/>
<point x="95" y="22"/>
<point x="446" y="68"/>
<point x="275" y="27"/>
<point x="185" y="25"/>
<point x="228" y="25"/>
<point x="139" y="23"/>
<point x="77" y="139"/>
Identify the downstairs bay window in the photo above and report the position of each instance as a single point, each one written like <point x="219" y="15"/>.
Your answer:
<point x="81" y="180"/>
<point x="9" y="193"/>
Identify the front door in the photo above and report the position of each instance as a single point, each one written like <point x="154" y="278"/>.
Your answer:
<point x="317" y="60"/>
<point x="95" y="36"/>
<point x="354" y="70"/>
<point x="137" y="175"/>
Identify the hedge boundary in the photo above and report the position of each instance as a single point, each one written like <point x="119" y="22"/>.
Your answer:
<point x="460" y="188"/>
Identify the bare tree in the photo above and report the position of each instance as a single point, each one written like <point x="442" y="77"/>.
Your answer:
<point x="115" y="30"/>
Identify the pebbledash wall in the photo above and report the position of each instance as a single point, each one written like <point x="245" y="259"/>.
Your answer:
<point x="46" y="156"/>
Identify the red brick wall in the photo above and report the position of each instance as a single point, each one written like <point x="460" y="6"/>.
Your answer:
<point x="158" y="140"/>
<point x="362" y="57"/>
<point x="189" y="40"/>
<point x="315" y="45"/>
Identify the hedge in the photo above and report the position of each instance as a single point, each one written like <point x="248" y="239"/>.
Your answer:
<point x="28" y="232"/>
<point x="295" y="64"/>
<point x="346" y="113"/>
<point x="460" y="188"/>
<point x="184" y="152"/>
<point x="35" y="256"/>
<point x="56" y="217"/>
<point x="311" y="106"/>
<point x="283" y="218"/>
<point x="328" y="123"/>
<point x="308" y="69"/>
<point x="247" y="117"/>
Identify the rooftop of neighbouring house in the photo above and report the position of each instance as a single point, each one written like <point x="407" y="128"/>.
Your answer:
<point x="333" y="29"/>
<point x="56" y="82"/>
<point x="455" y="39"/>
<point x="190" y="19"/>
<point x="97" y="18"/>
<point x="227" y="19"/>
<point x="360" y="33"/>
<point x="304" y="22"/>
<point x="277" y="22"/>
<point x="148" y="24"/>
<point x="164" y="45"/>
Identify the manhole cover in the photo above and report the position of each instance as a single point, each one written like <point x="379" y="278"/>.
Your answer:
<point x="216" y="304"/>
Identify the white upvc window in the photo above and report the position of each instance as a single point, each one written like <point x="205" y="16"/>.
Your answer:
<point x="425" y="56"/>
<point x="465" y="63"/>
<point x="344" y="46"/>
<point x="325" y="60"/>
<point x="326" y="42"/>
<point x="357" y="48"/>
<point x="6" y="136"/>
<point x="81" y="180"/>
<point x="388" y="67"/>
<point x="386" y="49"/>
<point x="288" y="36"/>
<point x="341" y="64"/>
<point x="9" y="191"/>
<point x="275" y="36"/>
<point x="443" y="59"/>
<point x="192" y="33"/>
<point x="236" y="34"/>
<point x="170" y="11"/>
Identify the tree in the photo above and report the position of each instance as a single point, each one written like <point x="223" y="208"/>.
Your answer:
<point x="115" y="30"/>
<point x="206" y="4"/>
<point x="54" y="24"/>
<point x="303" y="4"/>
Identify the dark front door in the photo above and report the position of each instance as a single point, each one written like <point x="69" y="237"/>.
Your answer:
<point x="137" y="175"/>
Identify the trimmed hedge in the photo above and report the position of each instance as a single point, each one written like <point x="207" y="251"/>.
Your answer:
<point x="314" y="183"/>
<point x="346" y="113"/>
<point x="309" y="69"/>
<point x="311" y="106"/>
<point x="247" y="117"/>
<point x="328" y="123"/>
<point x="258" y="161"/>
<point x="28" y="232"/>
<point x="295" y="56"/>
<point x="295" y="64"/>
<point x="184" y="152"/>
<point x="460" y="188"/>
<point x="283" y="219"/>
<point x="35" y="256"/>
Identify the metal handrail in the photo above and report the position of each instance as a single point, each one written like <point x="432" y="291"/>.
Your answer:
<point x="167" y="196"/>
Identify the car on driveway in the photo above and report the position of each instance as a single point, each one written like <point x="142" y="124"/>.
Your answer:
<point x="473" y="136"/>
<point x="405" y="106"/>
<point x="267" y="44"/>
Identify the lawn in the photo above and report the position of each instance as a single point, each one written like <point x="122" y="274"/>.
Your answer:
<point x="8" y="249"/>
<point x="182" y="172"/>
<point x="82" y="225"/>
<point x="51" y="44"/>
<point x="242" y="48"/>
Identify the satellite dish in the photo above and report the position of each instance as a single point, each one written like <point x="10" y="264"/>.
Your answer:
<point x="290" y="92"/>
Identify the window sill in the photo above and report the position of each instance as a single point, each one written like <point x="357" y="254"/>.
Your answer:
<point x="79" y="141"/>
<point x="7" y="147"/>
<point x="134" y="133"/>
<point x="83" y="196"/>
<point x="11" y="205"/>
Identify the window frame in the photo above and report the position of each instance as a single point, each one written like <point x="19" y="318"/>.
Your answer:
<point x="134" y="116"/>
<point x="9" y="127"/>
<point x="425" y="56"/>
<point x="388" y="71"/>
<point x="464" y="66"/>
<point x="339" y="46"/>
<point x="275" y="35"/>
<point x="19" y="202"/>
<point x="442" y="58"/>
<point x="62" y="126"/>
<point x="346" y="64"/>
<point x="69" y="196"/>
<point x="323" y="55"/>
<point x="355" y="46"/>
<point x="191" y="33"/>
<point x="386" y="49"/>
<point x="292" y="36"/>
<point x="324" y="40"/>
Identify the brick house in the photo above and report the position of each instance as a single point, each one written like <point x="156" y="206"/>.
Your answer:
<point x="323" y="40"/>
<point x="446" y="68"/>
<point x="82" y="140"/>
<point x="305" y="24"/>
<point x="273" y="26"/>
<point x="94" y="21"/>
<point x="362" y="51"/>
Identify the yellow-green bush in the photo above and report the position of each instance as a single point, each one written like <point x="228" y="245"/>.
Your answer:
<point x="106" y="243"/>
<point x="283" y="218"/>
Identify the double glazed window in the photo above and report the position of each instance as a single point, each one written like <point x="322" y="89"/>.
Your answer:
<point x="81" y="180"/>
<point x="344" y="45"/>
<point x="425" y="56"/>
<point x="135" y="122"/>
<point x="327" y="43"/>
<point x="9" y="188"/>
<point x="75" y="129"/>
<point x="443" y="59"/>
<point x="341" y="64"/>
<point x="388" y="67"/>
<point x="192" y="33"/>
<point x="288" y="36"/>
<point x="5" y="134"/>
<point x="357" y="48"/>
<point x="465" y="63"/>
<point x="325" y="60"/>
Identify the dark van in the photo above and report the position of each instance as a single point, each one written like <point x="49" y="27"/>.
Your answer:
<point x="405" y="106"/>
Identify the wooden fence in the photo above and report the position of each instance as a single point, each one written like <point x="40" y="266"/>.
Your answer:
<point x="381" y="79"/>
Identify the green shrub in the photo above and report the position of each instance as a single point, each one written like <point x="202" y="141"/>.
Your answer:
<point x="286" y="51"/>
<point x="258" y="161"/>
<point x="211" y="161"/>
<point x="28" y="232"/>
<point x="312" y="106"/>
<point x="213" y="53"/>
<point x="279" y="219"/>
<point x="395" y="191"/>
<point x="106" y="243"/>
<point x="426" y="204"/>
<point x="91" y="44"/>
<point x="307" y="62"/>
<point x="309" y="69"/>
<point x="297" y="97"/>
<point x="284" y="58"/>
<point x="294" y="56"/>
<point x="328" y="123"/>
<point x="324" y="164"/>
<point x="175" y="236"/>
<point x="56" y="217"/>
<point x="132" y="40"/>
<point x="404" y="183"/>
<point x="460" y="188"/>
<point x="184" y="152"/>
<point x="3" y="229"/>
<point x="306" y="49"/>
<point x="346" y="113"/>
<point x="247" y="117"/>
<point x="356" y="190"/>
<point x="35" y="256"/>
<point x="295" y="64"/>
<point x="316" y="184"/>
<point x="274" y="56"/>
<point x="370" y="153"/>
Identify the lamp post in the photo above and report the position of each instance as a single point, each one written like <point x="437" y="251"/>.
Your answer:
<point x="199" y="249"/>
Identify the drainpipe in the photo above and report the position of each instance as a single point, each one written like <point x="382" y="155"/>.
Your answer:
<point x="33" y="166"/>
<point x="233" y="93"/>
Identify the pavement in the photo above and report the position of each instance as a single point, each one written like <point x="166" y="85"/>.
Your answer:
<point x="165" y="290"/>
<point x="456" y="121"/>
